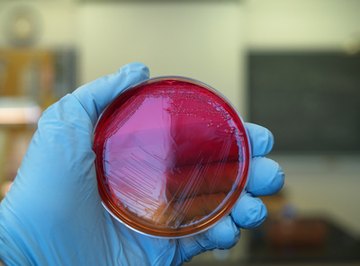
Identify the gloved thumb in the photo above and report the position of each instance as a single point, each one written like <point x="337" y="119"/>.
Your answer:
<point x="95" y="96"/>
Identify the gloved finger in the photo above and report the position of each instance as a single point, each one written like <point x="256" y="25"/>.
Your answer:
<point x="266" y="177"/>
<point x="223" y="235"/>
<point x="95" y="96"/>
<point x="261" y="139"/>
<point x="249" y="212"/>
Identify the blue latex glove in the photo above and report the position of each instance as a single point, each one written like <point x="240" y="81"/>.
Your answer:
<point x="53" y="215"/>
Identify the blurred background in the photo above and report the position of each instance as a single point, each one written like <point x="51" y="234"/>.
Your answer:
<point x="291" y="65"/>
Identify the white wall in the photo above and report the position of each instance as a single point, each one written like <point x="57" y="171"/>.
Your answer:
<point x="198" y="40"/>
<point x="303" y="24"/>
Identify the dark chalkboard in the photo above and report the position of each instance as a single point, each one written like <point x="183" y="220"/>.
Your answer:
<point x="309" y="100"/>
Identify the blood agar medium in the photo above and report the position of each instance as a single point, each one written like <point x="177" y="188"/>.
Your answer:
<point x="172" y="157"/>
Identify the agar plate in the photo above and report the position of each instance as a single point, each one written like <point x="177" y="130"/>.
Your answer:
<point x="172" y="157"/>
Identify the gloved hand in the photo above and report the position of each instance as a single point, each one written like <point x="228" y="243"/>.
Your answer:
<point x="53" y="215"/>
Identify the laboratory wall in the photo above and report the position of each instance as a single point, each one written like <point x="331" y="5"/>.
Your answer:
<point x="198" y="40"/>
<point x="292" y="24"/>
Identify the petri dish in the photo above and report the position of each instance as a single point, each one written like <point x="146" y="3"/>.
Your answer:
<point x="172" y="157"/>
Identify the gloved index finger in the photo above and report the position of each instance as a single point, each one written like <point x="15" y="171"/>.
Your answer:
<point x="96" y="95"/>
<point x="261" y="139"/>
